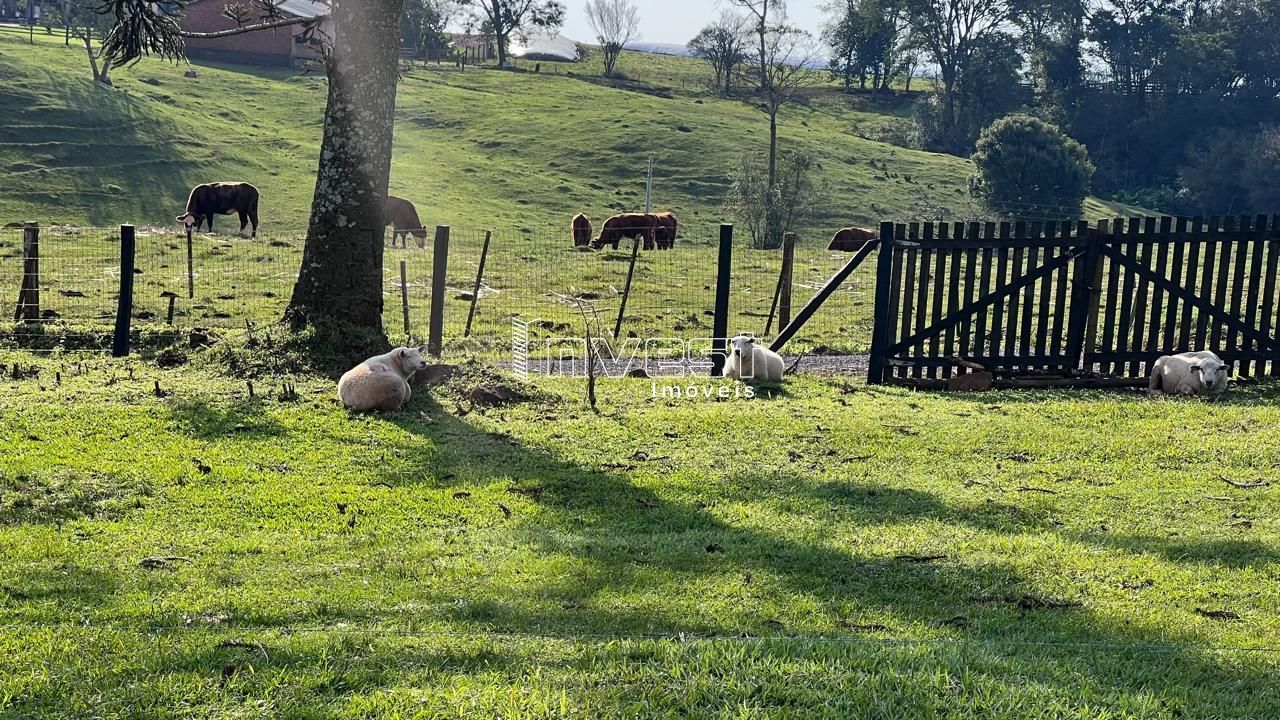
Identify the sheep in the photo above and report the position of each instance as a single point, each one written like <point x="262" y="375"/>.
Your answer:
<point x="382" y="381"/>
<point x="1190" y="373"/>
<point x="751" y="361"/>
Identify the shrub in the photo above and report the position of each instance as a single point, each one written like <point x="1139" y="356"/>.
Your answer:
<point x="1029" y="168"/>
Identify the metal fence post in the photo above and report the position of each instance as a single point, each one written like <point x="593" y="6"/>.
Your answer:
<point x="191" y="268"/>
<point x="439" y="267"/>
<point x="720" y="323"/>
<point x="475" y="291"/>
<point x="626" y="289"/>
<point x="124" y="308"/>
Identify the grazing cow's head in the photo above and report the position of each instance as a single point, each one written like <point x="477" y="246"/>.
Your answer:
<point x="419" y="237"/>
<point x="743" y="345"/>
<point x="189" y="219"/>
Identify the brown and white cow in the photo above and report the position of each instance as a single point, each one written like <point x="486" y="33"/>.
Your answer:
<point x="851" y="239"/>
<point x="641" y="225"/>
<point x="222" y="198"/>
<point x="580" y="228"/>
<point x="403" y="216"/>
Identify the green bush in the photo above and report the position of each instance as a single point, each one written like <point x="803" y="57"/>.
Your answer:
<point x="1028" y="168"/>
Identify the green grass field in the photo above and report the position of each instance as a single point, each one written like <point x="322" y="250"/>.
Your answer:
<point x="171" y="547"/>
<point x="834" y="550"/>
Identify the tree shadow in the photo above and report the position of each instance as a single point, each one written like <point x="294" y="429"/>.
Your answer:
<point x="207" y="421"/>
<point x="974" y="600"/>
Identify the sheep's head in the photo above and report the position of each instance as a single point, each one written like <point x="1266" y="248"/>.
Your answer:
<point x="743" y="345"/>
<point x="410" y="360"/>
<point x="1212" y="374"/>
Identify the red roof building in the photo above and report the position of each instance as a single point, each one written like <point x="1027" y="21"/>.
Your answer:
<point x="285" y="46"/>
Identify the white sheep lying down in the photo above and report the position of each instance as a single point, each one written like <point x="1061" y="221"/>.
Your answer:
<point x="1190" y="373"/>
<point x="752" y="361"/>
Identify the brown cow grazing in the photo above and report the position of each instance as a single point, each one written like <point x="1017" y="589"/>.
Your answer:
<point x="222" y="198"/>
<point x="401" y="214"/>
<point x="851" y="239"/>
<point x="580" y="227"/>
<point x="667" y="226"/>
<point x="642" y="225"/>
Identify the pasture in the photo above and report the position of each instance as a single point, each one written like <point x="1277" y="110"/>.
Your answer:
<point x="206" y="554"/>
<point x="206" y="533"/>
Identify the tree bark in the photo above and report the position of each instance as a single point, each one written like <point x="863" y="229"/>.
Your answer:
<point x="339" y="287"/>
<point x="500" y="32"/>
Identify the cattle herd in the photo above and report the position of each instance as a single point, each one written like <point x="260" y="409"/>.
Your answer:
<point x="654" y="230"/>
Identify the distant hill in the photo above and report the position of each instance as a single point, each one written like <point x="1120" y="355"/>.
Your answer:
<point x="477" y="148"/>
<point x="676" y="49"/>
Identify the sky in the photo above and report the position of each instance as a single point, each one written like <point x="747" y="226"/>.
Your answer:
<point x="677" y="21"/>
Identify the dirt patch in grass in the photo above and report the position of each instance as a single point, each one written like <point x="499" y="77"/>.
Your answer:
<point x="65" y="494"/>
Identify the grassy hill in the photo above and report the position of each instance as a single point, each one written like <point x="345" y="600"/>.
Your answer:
<point x="473" y="149"/>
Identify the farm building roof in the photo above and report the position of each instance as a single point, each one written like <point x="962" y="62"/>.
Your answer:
<point x="543" y="46"/>
<point x="304" y="8"/>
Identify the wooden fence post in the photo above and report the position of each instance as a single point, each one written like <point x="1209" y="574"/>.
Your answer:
<point x="1086" y="295"/>
<point x="124" y="308"/>
<point x="439" y="268"/>
<point x="626" y="289"/>
<point x="880" y="331"/>
<point x="28" y="309"/>
<point x="404" y="295"/>
<point x="475" y="290"/>
<point x="191" y="271"/>
<point x="720" y="323"/>
<point x="784" y="295"/>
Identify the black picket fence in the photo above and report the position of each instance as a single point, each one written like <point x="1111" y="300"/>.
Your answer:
<point x="1048" y="301"/>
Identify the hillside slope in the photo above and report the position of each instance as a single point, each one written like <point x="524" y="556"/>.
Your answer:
<point x="473" y="149"/>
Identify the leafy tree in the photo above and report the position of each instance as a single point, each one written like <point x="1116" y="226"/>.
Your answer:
<point x="988" y="89"/>
<point x="1133" y="39"/>
<point x="865" y="36"/>
<point x="1232" y="172"/>
<point x="723" y="45"/>
<point x="615" y="23"/>
<point x="422" y="26"/>
<point x="1028" y="167"/>
<point x="949" y="31"/>
<point x="89" y="27"/>
<point x="501" y="18"/>
<point x="338" y="293"/>
<point x="794" y="198"/>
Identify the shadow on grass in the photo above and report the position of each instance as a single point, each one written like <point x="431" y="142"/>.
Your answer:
<point x="986" y="618"/>
<point x="626" y="531"/>
<point x="207" y="421"/>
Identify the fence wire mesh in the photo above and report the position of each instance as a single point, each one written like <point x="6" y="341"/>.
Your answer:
<point x="226" y="283"/>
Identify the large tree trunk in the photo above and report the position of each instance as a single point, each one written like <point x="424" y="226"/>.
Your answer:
<point x="500" y="32"/>
<point x="339" y="287"/>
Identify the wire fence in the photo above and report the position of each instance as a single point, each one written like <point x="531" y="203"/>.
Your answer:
<point x="224" y="283"/>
